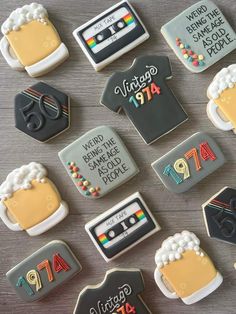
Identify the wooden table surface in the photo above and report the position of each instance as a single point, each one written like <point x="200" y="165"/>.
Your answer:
<point x="77" y="78"/>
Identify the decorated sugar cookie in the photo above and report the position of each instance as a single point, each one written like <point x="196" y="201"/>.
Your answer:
<point x="143" y="94"/>
<point x="222" y="94"/>
<point x="98" y="162"/>
<point x="31" y="42"/>
<point x="43" y="271"/>
<point x="30" y="201"/>
<point x="121" y="227"/>
<point x="119" y="293"/>
<point x="189" y="162"/>
<point x="200" y="36"/>
<point x="42" y="112"/>
<point x="111" y="34"/>
<point x="220" y="215"/>
<point x="184" y="270"/>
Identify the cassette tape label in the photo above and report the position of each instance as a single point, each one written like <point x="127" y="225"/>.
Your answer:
<point x="122" y="227"/>
<point x="111" y="34"/>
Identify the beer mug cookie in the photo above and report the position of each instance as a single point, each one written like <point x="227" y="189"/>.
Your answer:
<point x="30" y="201"/>
<point x="184" y="270"/>
<point x="31" y="42"/>
<point x="221" y="108"/>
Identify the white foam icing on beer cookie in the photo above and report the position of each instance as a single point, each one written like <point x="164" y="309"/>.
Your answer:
<point x="21" y="178"/>
<point x="24" y="15"/>
<point x="173" y="247"/>
<point x="226" y="78"/>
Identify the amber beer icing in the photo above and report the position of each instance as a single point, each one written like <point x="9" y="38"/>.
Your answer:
<point x="29" y="196"/>
<point x="31" y="35"/>
<point x="223" y="92"/>
<point x="183" y="264"/>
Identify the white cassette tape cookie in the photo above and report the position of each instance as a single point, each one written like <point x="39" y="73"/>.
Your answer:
<point x="111" y="34"/>
<point x="121" y="227"/>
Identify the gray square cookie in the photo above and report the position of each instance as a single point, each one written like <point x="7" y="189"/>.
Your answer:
<point x="200" y="36"/>
<point x="98" y="162"/>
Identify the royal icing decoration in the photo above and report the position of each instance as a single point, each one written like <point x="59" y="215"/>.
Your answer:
<point x="117" y="294"/>
<point x="220" y="215"/>
<point x="222" y="94"/>
<point x="43" y="271"/>
<point x="188" y="54"/>
<point x="30" y="201"/>
<point x="42" y="112"/>
<point x="143" y="94"/>
<point x="184" y="270"/>
<point x="111" y="34"/>
<point x="189" y="162"/>
<point x="200" y="36"/>
<point x="121" y="227"/>
<point x="31" y="42"/>
<point x="98" y="162"/>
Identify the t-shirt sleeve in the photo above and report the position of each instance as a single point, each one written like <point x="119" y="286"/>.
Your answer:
<point x="163" y="64"/>
<point x="110" y="98"/>
<point x="136" y="281"/>
<point x="165" y="67"/>
<point x="82" y="303"/>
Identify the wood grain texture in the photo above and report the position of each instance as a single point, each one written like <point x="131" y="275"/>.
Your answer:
<point x="174" y="212"/>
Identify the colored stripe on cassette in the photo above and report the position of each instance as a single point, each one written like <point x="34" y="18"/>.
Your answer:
<point x="111" y="34"/>
<point x="122" y="227"/>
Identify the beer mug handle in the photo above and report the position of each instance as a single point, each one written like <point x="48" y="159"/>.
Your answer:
<point x="6" y="220"/>
<point x="216" y="119"/>
<point x="13" y="62"/>
<point x="162" y="286"/>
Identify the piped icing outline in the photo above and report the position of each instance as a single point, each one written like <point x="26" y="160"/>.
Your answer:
<point x="24" y="15"/>
<point x="172" y="248"/>
<point x="21" y="178"/>
<point x="224" y="79"/>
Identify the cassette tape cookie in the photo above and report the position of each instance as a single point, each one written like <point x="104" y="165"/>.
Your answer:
<point x="111" y="34"/>
<point x="122" y="227"/>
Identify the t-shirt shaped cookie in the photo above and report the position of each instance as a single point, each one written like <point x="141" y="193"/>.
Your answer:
<point x="184" y="270"/>
<point x="119" y="293"/>
<point x="221" y="108"/>
<point x="189" y="162"/>
<point x="200" y="36"/>
<point x="30" y="201"/>
<point x="111" y="34"/>
<point x="142" y="92"/>
<point x="98" y="162"/>
<point x="31" y="42"/>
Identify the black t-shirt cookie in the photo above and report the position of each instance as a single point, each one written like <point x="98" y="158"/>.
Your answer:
<point x="117" y="294"/>
<point x="143" y="94"/>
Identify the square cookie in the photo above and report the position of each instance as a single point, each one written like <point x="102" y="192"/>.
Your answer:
<point x="200" y="36"/>
<point x="98" y="162"/>
<point x="220" y="215"/>
<point x="111" y="34"/>
<point x="189" y="162"/>
<point x="44" y="270"/>
<point x="121" y="227"/>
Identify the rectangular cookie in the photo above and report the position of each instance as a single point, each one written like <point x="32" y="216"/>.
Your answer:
<point x="43" y="271"/>
<point x="189" y="162"/>
<point x="121" y="227"/>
